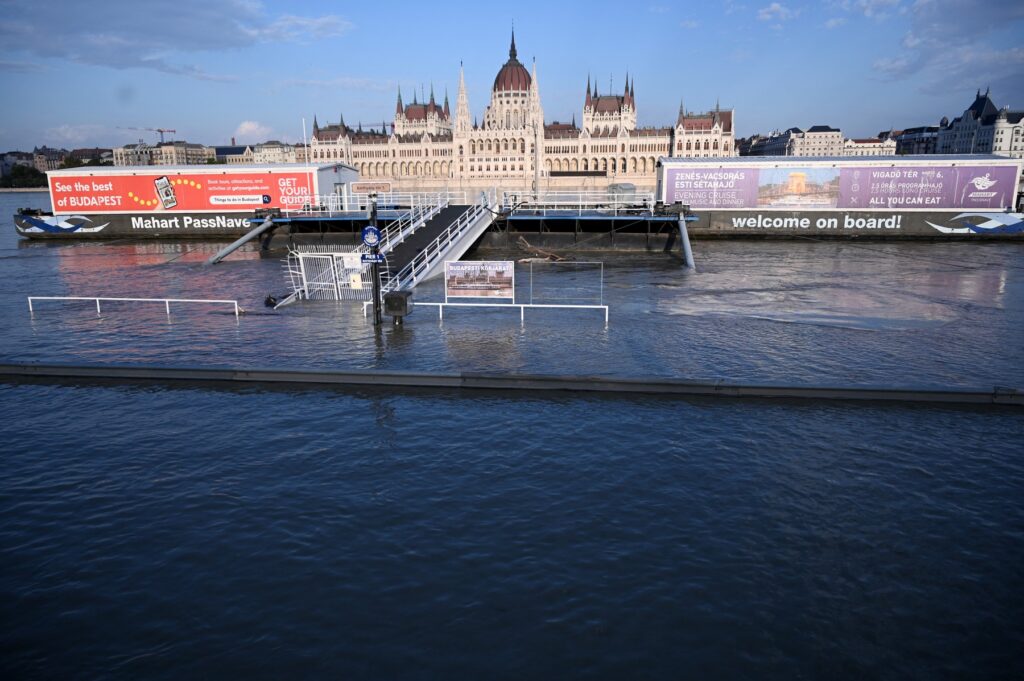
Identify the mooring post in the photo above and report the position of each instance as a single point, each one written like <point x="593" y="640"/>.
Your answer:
<point x="375" y="267"/>
<point x="687" y="251"/>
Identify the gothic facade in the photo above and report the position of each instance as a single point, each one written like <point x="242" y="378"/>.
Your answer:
<point x="513" y="147"/>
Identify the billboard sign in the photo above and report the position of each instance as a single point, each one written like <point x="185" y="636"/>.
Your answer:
<point x="381" y="187"/>
<point x="479" y="279"/>
<point x="856" y="187"/>
<point x="155" y="191"/>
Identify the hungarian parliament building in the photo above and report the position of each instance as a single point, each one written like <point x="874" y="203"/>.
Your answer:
<point x="513" y="147"/>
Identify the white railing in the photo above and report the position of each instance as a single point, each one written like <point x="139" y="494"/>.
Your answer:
<point x="387" y="200"/>
<point x="579" y="202"/>
<point x="327" y="205"/>
<point x="421" y="263"/>
<point x="426" y="207"/>
<point x="166" y="301"/>
<point x="522" y="308"/>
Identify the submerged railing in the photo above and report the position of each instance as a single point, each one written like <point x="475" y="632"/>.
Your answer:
<point x="166" y="301"/>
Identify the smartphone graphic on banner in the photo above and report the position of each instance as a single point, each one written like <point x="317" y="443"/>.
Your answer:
<point x="165" y="191"/>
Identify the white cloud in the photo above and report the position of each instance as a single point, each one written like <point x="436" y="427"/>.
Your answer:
<point x="775" y="12"/>
<point x="835" y="22"/>
<point x="76" y="135"/>
<point x="658" y="9"/>
<point x="21" y="67"/>
<point x="892" y="66"/>
<point x="249" y="132"/>
<point x="910" y="41"/>
<point x="935" y="26"/>
<point x="689" y="23"/>
<point x="127" y="34"/>
<point x="289" y="28"/>
<point x="343" y="83"/>
<point x="877" y="9"/>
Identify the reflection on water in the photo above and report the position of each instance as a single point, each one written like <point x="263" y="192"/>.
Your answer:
<point x="849" y="312"/>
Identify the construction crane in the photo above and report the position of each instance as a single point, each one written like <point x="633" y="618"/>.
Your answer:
<point x="159" y="130"/>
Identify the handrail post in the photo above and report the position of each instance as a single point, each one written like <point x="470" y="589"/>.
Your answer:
<point x="30" y="304"/>
<point x="97" y="307"/>
<point x="167" y="304"/>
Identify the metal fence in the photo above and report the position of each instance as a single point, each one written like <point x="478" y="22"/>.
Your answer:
<point x="166" y="301"/>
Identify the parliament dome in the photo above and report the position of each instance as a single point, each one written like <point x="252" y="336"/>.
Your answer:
<point x="513" y="76"/>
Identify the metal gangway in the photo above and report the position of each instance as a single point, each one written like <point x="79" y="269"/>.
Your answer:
<point x="409" y="207"/>
<point x="334" y="272"/>
<point x="331" y="272"/>
<point x="451" y="244"/>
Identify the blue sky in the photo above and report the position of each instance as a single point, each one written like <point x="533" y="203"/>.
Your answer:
<point x="78" y="73"/>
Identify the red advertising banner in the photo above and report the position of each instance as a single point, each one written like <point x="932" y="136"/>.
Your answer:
<point x="156" y="191"/>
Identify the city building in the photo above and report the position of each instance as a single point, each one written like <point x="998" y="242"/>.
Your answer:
<point x="273" y="152"/>
<point x="45" y="158"/>
<point x="818" y="140"/>
<point x="181" y="153"/>
<point x="163" y="154"/>
<point x="245" y="157"/>
<point x="94" y="155"/>
<point x="140" y="154"/>
<point x="919" y="140"/>
<point x="431" y="145"/>
<point x="11" y="159"/>
<point x="231" y="153"/>
<point x="869" y="146"/>
<point x="983" y="128"/>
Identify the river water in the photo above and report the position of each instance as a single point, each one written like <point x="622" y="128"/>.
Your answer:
<point x="179" y="532"/>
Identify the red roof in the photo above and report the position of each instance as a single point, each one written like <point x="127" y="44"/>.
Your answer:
<point x="513" y="76"/>
<point x="706" y="121"/>
<point x="608" y="104"/>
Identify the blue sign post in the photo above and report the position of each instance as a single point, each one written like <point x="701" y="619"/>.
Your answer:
<point x="371" y="236"/>
<point x="371" y="239"/>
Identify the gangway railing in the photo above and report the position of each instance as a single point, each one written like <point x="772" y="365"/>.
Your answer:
<point x="427" y="206"/>
<point x="424" y="261"/>
<point x="387" y="200"/>
<point x="330" y="205"/>
<point x="324" y="271"/>
<point x="166" y="301"/>
<point x="563" y="203"/>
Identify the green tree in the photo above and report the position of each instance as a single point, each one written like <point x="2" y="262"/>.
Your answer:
<point x="23" y="177"/>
